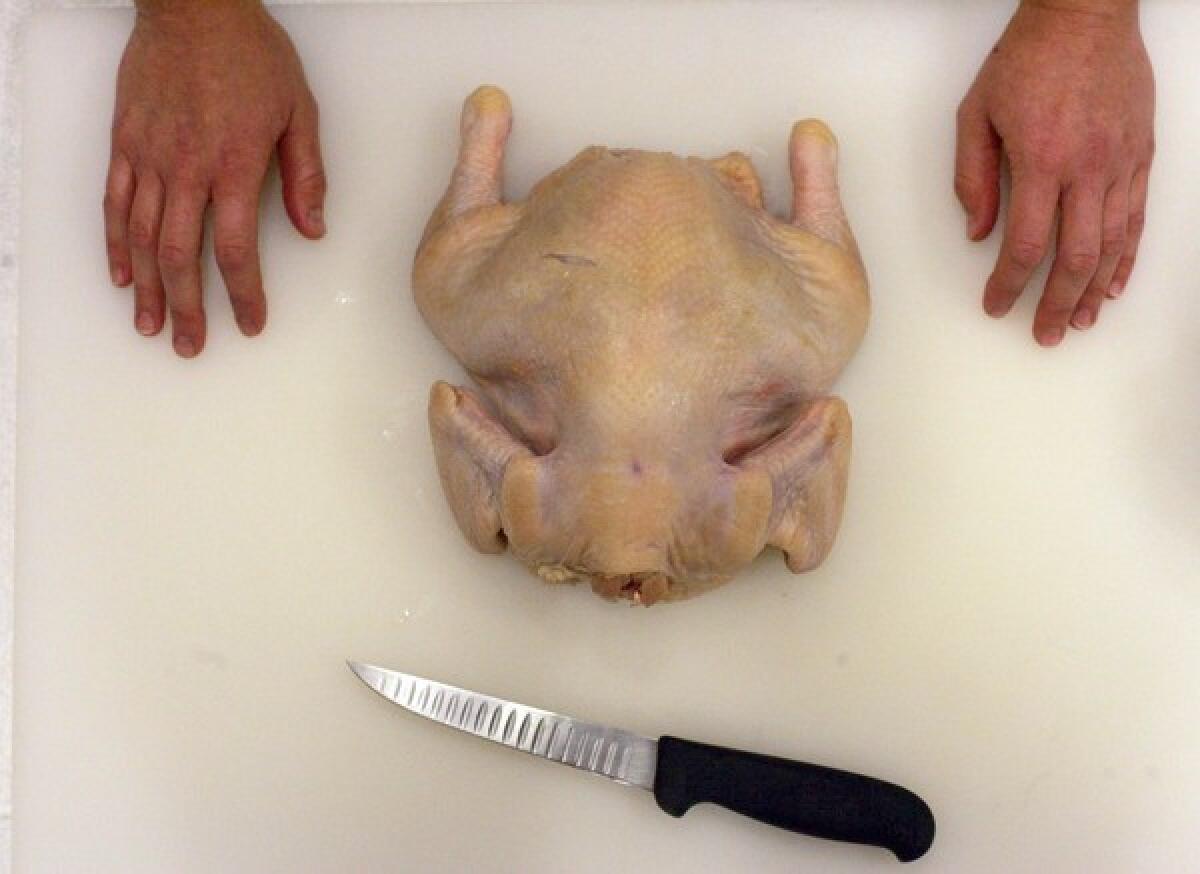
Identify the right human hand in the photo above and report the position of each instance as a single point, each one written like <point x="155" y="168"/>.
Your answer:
<point x="206" y="92"/>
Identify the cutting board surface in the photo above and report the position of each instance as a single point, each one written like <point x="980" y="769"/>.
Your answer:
<point x="1009" y="623"/>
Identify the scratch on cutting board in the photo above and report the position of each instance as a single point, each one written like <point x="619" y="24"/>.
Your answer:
<point x="210" y="658"/>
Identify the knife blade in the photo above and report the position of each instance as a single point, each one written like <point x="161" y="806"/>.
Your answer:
<point x="808" y="799"/>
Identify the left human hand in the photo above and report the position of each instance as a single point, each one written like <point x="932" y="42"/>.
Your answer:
<point x="1067" y="96"/>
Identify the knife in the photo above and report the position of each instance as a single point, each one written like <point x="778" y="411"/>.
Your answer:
<point x="809" y="799"/>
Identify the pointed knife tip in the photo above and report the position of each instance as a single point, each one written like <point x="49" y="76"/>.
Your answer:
<point x="372" y="675"/>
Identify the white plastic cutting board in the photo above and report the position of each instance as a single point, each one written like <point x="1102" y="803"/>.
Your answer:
<point x="1010" y="622"/>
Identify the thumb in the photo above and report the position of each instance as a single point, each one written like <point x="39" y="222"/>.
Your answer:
<point x="977" y="168"/>
<point x="302" y="171"/>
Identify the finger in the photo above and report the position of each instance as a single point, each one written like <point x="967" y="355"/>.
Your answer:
<point x="179" y="261"/>
<point x="977" y="169"/>
<point x="1112" y="244"/>
<point x="235" y="241"/>
<point x="303" y="172"/>
<point x="1026" y="231"/>
<point x="1133" y="232"/>
<point x="145" y="216"/>
<point x="118" y="200"/>
<point x="1079" y="239"/>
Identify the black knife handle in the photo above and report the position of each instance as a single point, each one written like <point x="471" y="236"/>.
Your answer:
<point x="810" y="799"/>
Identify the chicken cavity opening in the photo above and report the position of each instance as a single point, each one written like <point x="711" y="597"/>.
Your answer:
<point x="644" y="587"/>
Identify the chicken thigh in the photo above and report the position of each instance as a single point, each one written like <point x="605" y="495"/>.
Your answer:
<point x="652" y="354"/>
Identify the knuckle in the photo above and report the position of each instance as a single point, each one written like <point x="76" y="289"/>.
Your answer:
<point x="126" y="133"/>
<point x="972" y="101"/>
<point x="310" y="178"/>
<point x="1056" y="314"/>
<point x="112" y="203"/>
<point x="147" y="293"/>
<point x="1148" y="149"/>
<point x="123" y="118"/>
<point x="185" y="172"/>
<point x="1080" y="263"/>
<point x="306" y="112"/>
<point x="245" y="298"/>
<point x="1114" y="240"/>
<point x="1058" y="304"/>
<point x="174" y="257"/>
<point x="1137" y="221"/>
<point x="963" y="114"/>
<point x="128" y="144"/>
<point x="141" y="234"/>
<point x="1096" y="154"/>
<point x="237" y="163"/>
<point x="1042" y="155"/>
<point x="965" y="185"/>
<point x="1027" y="254"/>
<point x="186" y="311"/>
<point x="187" y="139"/>
<point x="234" y="254"/>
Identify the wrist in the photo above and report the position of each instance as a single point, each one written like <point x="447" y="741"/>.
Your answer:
<point x="1097" y="10"/>
<point x="194" y="16"/>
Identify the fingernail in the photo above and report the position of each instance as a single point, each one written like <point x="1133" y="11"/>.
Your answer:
<point x="120" y="275"/>
<point x="994" y="309"/>
<point x="316" y="219"/>
<point x="1052" y="337"/>
<point x="248" y="326"/>
<point x="145" y="323"/>
<point x="184" y="347"/>
<point x="1082" y="319"/>
<point x="1114" y="290"/>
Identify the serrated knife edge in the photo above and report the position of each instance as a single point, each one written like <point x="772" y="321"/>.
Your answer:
<point x="610" y="752"/>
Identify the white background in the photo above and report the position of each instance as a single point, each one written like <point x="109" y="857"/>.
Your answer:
<point x="1008" y="624"/>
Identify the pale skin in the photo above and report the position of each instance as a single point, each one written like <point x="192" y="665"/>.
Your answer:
<point x="209" y="90"/>
<point x="688" y="423"/>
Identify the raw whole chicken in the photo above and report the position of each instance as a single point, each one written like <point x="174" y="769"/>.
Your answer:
<point x="652" y="354"/>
